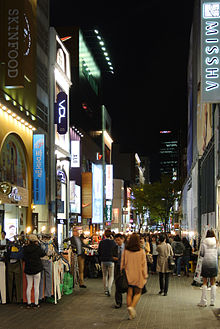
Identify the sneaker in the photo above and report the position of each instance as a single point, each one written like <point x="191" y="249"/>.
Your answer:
<point x="132" y="313"/>
<point x="160" y="292"/>
<point x="202" y="304"/>
<point x="179" y="275"/>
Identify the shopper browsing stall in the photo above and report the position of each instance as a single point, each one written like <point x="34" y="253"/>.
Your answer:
<point x="33" y="268"/>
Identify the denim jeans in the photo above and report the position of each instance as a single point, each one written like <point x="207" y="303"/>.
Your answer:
<point x="108" y="275"/>
<point x="186" y="260"/>
<point x="178" y="264"/>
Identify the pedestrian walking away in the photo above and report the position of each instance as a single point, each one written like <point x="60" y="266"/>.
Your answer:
<point x="105" y="251"/>
<point x="178" y="249"/>
<point x="164" y="251"/>
<point x="135" y="265"/>
<point x="209" y="251"/>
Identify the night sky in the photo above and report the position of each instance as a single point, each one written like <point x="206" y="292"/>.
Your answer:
<point x="148" y="42"/>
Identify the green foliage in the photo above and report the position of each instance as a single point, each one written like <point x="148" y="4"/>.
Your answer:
<point x="158" y="198"/>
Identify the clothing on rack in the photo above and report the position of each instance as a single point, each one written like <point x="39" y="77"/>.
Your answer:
<point x="2" y="282"/>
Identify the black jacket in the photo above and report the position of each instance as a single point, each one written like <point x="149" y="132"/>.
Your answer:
<point x="105" y="250"/>
<point x="32" y="258"/>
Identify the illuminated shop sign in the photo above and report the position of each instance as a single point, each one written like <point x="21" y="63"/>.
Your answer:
<point x="75" y="154"/>
<point x="210" y="46"/>
<point x="14" y="45"/>
<point x="109" y="182"/>
<point x="97" y="194"/>
<point x="108" y="210"/>
<point x="60" y="113"/>
<point x="39" y="169"/>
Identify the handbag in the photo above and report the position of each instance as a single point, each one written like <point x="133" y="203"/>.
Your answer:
<point x="122" y="282"/>
<point x="150" y="258"/>
<point x="171" y="263"/>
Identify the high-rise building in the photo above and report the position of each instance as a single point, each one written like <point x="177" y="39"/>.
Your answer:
<point x="169" y="153"/>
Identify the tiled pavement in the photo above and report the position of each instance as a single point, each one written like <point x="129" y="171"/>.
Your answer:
<point x="90" y="308"/>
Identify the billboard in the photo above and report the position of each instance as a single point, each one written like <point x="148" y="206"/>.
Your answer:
<point x="86" y="195"/>
<point x="75" y="204"/>
<point x="75" y="154"/>
<point x="109" y="182"/>
<point x="204" y="124"/>
<point x="210" y="55"/>
<point x="39" y="184"/>
<point x="97" y="194"/>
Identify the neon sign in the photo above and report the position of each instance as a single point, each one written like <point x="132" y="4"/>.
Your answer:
<point x="60" y="113"/>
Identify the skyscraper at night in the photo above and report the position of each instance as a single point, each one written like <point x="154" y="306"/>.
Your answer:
<point x="169" y="153"/>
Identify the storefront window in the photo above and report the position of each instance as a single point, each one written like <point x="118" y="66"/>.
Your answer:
<point x="12" y="162"/>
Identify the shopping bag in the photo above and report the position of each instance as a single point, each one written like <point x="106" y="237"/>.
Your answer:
<point x="67" y="284"/>
<point x="122" y="282"/>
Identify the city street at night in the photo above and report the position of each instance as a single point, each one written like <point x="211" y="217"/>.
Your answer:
<point x="90" y="308"/>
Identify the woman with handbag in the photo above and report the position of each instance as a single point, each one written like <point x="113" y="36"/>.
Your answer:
<point x="134" y="262"/>
<point x="164" y="251"/>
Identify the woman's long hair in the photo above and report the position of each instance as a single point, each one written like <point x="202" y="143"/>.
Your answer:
<point x="133" y="243"/>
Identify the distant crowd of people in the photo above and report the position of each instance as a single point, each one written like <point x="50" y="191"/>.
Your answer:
<point x="140" y="254"/>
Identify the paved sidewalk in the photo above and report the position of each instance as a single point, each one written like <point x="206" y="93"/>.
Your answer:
<point x="90" y="308"/>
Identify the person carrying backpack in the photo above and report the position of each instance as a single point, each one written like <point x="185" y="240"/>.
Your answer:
<point x="178" y="249"/>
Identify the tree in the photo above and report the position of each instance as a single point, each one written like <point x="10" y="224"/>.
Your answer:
<point x="158" y="198"/>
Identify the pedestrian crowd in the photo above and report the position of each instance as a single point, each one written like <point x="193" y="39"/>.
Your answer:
<point x="137" y="255"/>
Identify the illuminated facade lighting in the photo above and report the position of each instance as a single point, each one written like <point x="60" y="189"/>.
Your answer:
<point x="16" y="117"/>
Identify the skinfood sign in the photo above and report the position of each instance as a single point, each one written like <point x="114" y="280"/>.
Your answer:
<point x="14" y="43"/>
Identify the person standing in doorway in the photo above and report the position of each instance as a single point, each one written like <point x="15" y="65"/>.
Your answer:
<point x="105" y="251"/>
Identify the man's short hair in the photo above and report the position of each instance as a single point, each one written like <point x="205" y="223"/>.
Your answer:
<point x="119" y="235"/>
<point x="108" y="233"/>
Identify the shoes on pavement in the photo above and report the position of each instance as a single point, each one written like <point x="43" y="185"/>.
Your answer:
<point x="202" y="304"/>
<point x="132" y="313"/>
<point x="179" y="275"/>
<point x="165" y="294"/>
<point x="36" y="306"/>
<point x="82" y="286"/>
<point x="160" y="292"/>
<point x="117" y="305"/>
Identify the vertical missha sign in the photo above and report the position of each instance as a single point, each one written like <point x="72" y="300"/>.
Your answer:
<point x="210" y="51"/>
<point x="13" y="34"/>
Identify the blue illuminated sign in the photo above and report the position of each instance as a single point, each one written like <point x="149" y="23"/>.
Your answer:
<point x="60" y="113"/>
<point x="39" y="184"/>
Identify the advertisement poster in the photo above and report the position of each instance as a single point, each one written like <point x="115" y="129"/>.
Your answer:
<point x="97" y="194"/>
<point x="39" y="169"/>
<point x="11" y="228"/>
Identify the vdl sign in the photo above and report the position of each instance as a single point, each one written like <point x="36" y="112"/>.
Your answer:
<point x="210" y="51"/>
<point x="60" y="113"/>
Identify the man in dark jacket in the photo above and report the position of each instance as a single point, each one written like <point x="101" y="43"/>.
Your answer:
<point x="78" y="246"/>
<point x="105" y="252"/>
<point x="117" y="252"/>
